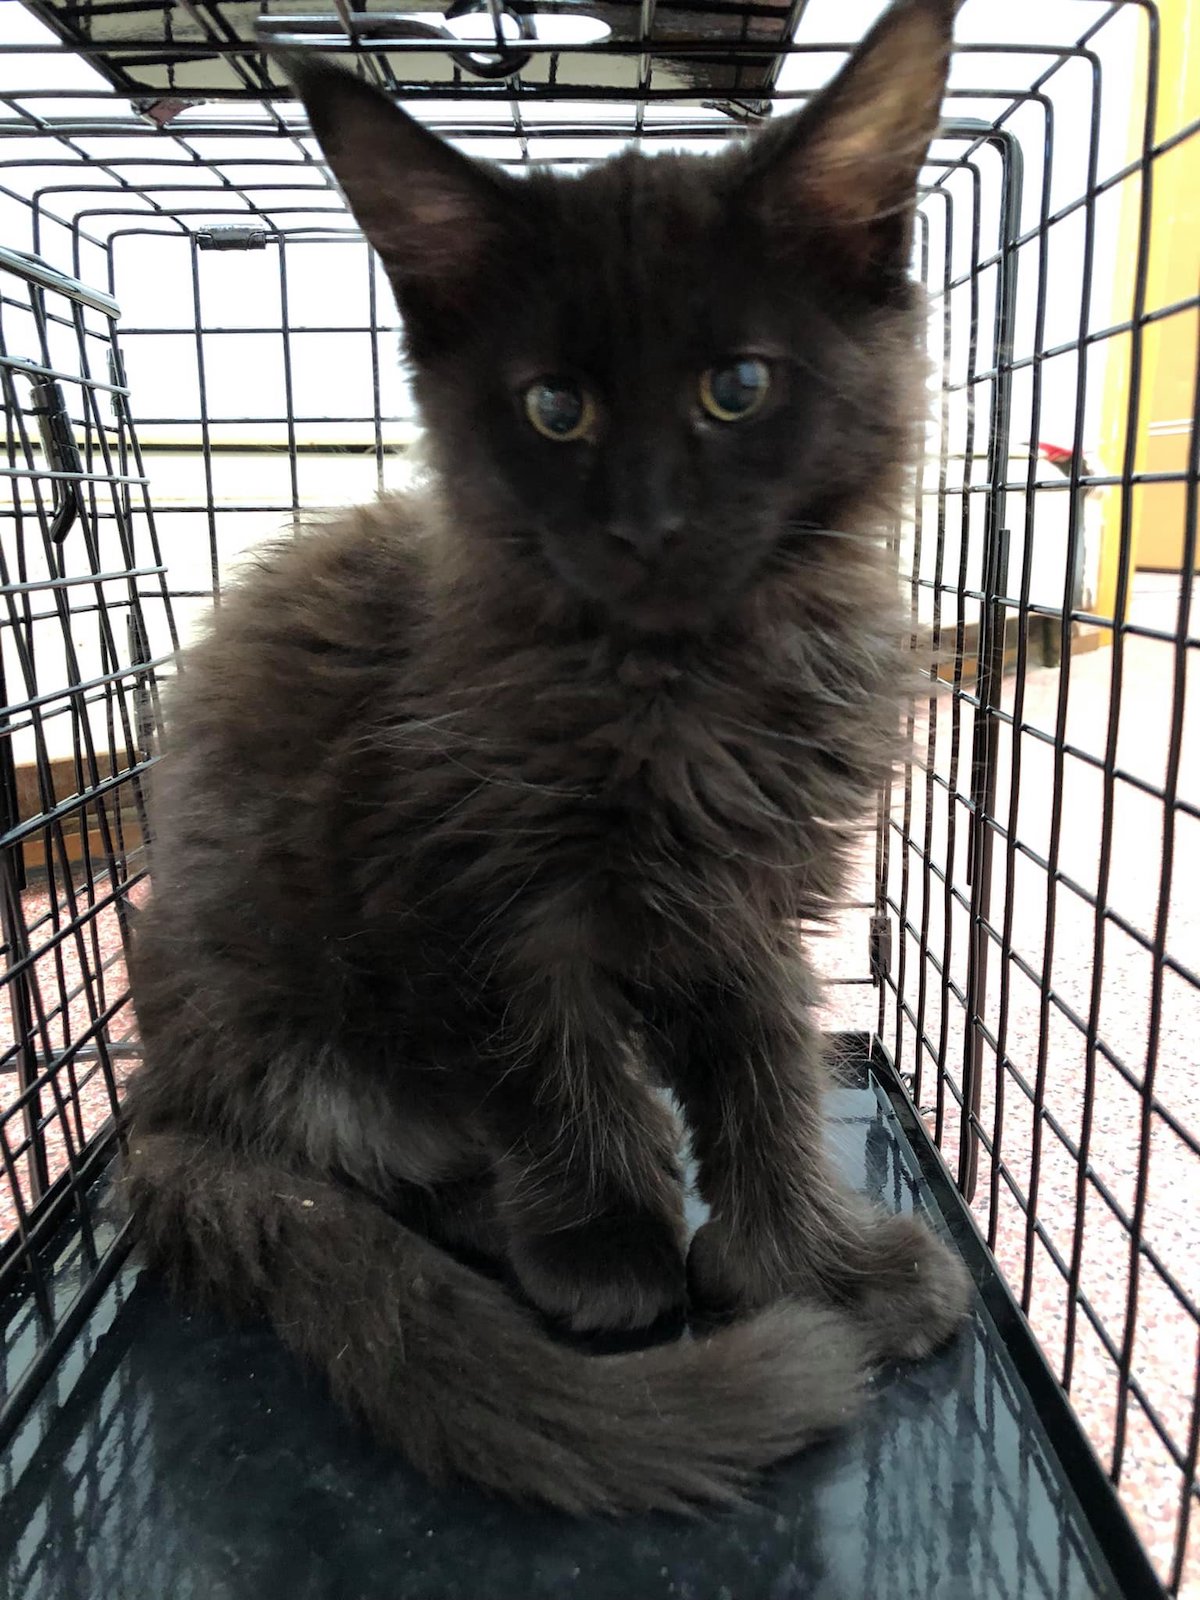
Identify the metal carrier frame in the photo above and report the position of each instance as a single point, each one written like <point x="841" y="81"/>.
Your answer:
<point x="146" y="450"/>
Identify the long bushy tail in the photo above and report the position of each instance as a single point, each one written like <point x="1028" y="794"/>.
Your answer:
<point x="441" y="1362"/>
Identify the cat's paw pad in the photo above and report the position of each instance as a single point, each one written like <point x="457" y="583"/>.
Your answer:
<point x="615" y="1273"/>
<point x="914" y="1294"/>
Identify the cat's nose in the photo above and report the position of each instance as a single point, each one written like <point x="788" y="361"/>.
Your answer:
<point x="646" y="536"/>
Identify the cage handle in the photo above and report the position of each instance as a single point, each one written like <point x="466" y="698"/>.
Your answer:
<point x="62" y="453"/>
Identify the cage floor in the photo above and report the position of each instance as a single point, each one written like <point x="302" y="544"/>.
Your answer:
<point x="172" y="1455"/>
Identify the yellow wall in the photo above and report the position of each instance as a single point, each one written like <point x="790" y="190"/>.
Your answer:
<point x="1169" y="347"/>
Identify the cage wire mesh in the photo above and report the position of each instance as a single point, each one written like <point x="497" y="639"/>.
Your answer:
<point x="203" y="349"/>
<point x="85" y="625"/>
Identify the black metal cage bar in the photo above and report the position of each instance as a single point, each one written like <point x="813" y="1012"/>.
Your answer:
<point x="1019" y="938"/>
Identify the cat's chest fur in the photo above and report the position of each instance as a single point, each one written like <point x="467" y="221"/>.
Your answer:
<point x="647" y="786"/>
<point x="520" y="766"/>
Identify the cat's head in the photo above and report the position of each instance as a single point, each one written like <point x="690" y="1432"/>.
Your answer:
<point x="653" y="377"/>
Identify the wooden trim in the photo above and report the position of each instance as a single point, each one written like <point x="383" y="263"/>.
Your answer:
<point x="62" y="778"/>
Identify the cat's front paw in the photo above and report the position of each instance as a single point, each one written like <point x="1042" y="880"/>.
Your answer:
<point x="614" y="1273"/>
<point x="725" y="1280"/>
<point x="911" y="1293"/>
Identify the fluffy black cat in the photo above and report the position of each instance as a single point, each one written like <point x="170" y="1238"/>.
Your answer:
<point x="485" y="810"/>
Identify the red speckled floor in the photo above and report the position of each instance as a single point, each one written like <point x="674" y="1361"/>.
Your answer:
<point x="76" y="1100"/>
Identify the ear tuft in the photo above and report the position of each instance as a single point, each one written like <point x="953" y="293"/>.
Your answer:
<point x="848" y="163"/>
<point x="434" y="216"/>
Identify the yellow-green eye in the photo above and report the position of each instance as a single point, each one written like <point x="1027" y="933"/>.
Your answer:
<point x="734" y="392"/>
<point x="560" y="409"/>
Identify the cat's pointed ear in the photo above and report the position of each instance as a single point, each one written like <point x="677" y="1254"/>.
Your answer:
<point x="847" y="165"/>
<point x="435" y="217"/>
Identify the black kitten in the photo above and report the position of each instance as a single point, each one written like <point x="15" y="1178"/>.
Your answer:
<point x="484" y="810"/>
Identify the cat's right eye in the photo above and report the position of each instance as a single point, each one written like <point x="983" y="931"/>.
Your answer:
<point x="560" y="409"/>
<point x="733" y="392"/>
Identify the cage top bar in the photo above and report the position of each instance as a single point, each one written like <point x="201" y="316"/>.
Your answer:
<point x="170" y="54"/>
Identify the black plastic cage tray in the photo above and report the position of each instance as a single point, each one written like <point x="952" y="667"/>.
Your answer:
<point x="172" y="1455"/>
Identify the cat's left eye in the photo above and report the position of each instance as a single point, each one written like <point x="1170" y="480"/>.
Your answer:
<point x="559" y="409"/>
<point x="733" y="392"/>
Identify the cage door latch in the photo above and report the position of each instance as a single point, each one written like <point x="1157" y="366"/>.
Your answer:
<point x="880" y="948"/>
<point x="61" y="454"/>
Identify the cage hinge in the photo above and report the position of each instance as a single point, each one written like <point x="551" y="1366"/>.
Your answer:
<point x="881" y="948"/>
<point x="745" y="112"/>
<point x="232" y="236"/>
<point x="161" y="109"/>
<point x="118" y="393"/>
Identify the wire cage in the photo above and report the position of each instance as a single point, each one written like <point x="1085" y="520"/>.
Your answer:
<point x="196" y="346"/>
